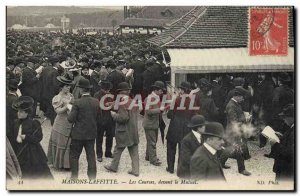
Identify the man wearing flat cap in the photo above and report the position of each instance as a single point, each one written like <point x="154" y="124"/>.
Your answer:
<point x="189" y="145"/>
<point x="83" y="115"/>
<point x="237" y="143"/>
<point x="283" y="151"/>
<point x="205" y="165"/>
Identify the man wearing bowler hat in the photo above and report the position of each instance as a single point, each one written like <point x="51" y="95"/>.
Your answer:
<point x="83" y="115"/>
<point x="105" y="122"/>
<point x="283" y="152"/>
<point x="189" y="145"/>
<point x="205" y="165"/>
<point x="177" y="128"/>
<point x="151" y="121"/>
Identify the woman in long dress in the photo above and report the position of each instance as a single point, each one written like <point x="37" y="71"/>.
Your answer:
<point x="59" y="145"/>
<point x="29" y="152"/>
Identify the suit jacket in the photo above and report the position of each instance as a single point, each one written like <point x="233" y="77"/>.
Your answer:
<point x="11" y="116"/>
<point x="126" y="126"/>
<point x="151" y="116"/>
<point x="247" y="98"/>
<point x="179" y="120"/>
<point x="208" y="108"/>
<point x="234" y="113"/>
<point x="104" y="116"/>
<point x="206" y="167"/>
<point x="284" y="155"/>
<point x="49" y="83"/>
<point x="84" y="117"/>
<point x="115" y="77"/>
<point x="30" y="85"/>
<point x="282" y="96"/>
<point x="94" y="80"/>
<point x="188" y="146"/>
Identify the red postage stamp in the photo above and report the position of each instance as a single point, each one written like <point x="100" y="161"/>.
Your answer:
<point x="268" y="31"/>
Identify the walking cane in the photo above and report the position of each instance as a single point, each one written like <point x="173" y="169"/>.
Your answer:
<point x="32" y="134"/>
<point x="65" y="149"/>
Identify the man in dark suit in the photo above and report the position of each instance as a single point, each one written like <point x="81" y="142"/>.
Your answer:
<point x="237" y="143"/>
<point x="84" y="117"/>
<point x="205" y="165"/>
<point x="105" y="123"/>
<point x="189" y="145"/>
<point x="114" y="76"/>
<point x="151" y="121"/>
<point x="30" y="84"/>
<point x="283" y="152"/>
<point x="177" y="128"/>
<point x="49" y="87"/>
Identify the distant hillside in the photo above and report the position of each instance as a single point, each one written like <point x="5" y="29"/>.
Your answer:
<point x="51" y="10"/>
<point x="79" y="17"/>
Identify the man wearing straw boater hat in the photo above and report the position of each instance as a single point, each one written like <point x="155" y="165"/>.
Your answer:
<point x="205" y="165"/>
<point x="105" y="122"/>
<point x="189" y="145"/>
<point x="83" y="115"/>
<point x="151" y="121"/>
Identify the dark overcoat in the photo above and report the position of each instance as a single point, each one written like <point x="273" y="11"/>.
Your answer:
<point x="188" y="146"/>
<point x="83" y="115"/>
<point x="32" y="159"/>
<point x="206" y="167"/>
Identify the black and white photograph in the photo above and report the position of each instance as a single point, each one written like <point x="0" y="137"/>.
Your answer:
<point x="150" y="98"/>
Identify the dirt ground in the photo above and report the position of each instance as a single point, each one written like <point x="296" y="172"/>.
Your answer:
<point x="258" y="165"/>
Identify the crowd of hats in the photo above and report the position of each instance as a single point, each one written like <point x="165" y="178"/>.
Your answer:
<point x="87" y="51"/>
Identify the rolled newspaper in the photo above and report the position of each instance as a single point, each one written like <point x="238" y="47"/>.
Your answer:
<point x="268" y="132"/>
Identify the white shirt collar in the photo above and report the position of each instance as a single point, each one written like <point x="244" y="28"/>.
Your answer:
<point x="234" y="100"/>
<point x="197" y="135"/>
<point x="85" y="94"/>
<point x="154" y="94"/>
<point x="195" y="91"/>
<point x="13" y="93"/>
<point x="209" y="148"/>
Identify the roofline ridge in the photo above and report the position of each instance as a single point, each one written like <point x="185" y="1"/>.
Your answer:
<point x="186" y="28"/>
<point x="183" y="15"/>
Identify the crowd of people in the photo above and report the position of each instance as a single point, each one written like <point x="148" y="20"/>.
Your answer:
<point x="67" y="75"/>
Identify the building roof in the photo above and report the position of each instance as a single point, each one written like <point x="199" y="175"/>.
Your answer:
<point x="163" y="12"/>
<point x="144" y="22"/>
<point x="211" y="27"/>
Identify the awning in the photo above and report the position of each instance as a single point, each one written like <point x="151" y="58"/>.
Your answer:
<point x="222" y="60"/>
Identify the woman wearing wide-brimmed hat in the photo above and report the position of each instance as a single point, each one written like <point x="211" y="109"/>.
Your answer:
<point x="59" y="147"/>
<point x="32" y="158"/>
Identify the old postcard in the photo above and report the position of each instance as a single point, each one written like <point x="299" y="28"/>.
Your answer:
<point x="186" y="98"/>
